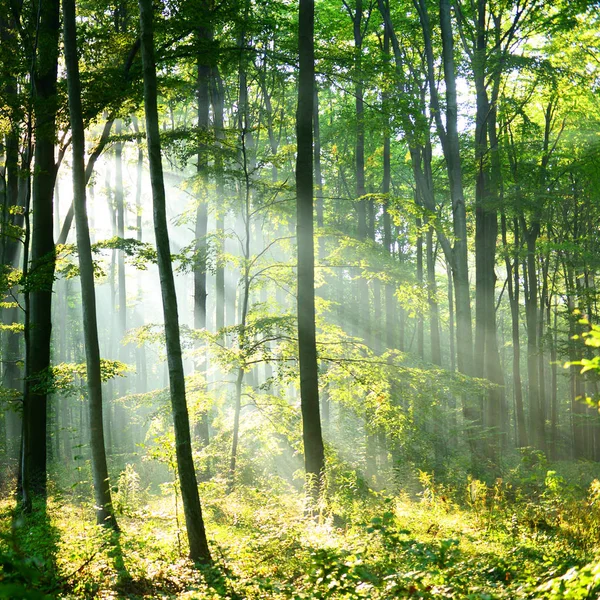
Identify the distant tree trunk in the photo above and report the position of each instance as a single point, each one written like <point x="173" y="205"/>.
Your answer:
<point x="434" y="318"/>
<point x="391" y="324"/>
<point x="325" y="408"/>
<point x="307" y="351"/>
<point x="554" y="416"/>
<point x="112" y="440"/>
<point x="120" y="415"/>
<point x="451" y="318"/>
<point x="544" y="295"/>
<point x="577" y="407"/>
<point x="217" y="97"/>
<point x="536" y="422"/>
<point x="42" y="255"/>
<point x="103" y="501"/>
<point x="204" y="36"/>
<point x="242" y="341"/>
<point x="420" y="283"/>
<point x="458" y="256"/>
<point x="511" y="261"/>
<point x="140" y="355"/>
<point x="12" y="377"/>
<point x="199" y="550"/>
<point x="120" y="208"/>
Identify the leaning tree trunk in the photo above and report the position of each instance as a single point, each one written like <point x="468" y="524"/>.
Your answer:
<point x="102" y="495"/>
<point x="199" y="550"/>
<point x="314" y="459"/>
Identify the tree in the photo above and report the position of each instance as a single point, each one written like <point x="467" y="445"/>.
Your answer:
<point x="38" y="318"/>
<point x="199" y="550"/>
<point x="104" y="509"/>
<point x="314" y="458"/>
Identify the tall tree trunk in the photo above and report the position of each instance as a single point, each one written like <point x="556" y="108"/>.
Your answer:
<point x="464" y="331"/>
<point x="12" y="377"/>
<point x="42" y="253"/>
<point x="487" y="193"/>
<point x="314" y="457"/>
<point x="102" y="495"/>
<point x="199" y="550"/>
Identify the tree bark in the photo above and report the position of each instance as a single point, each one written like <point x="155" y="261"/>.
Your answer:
<point x="42" y="252"/>
<point x="199" y="551"/>
<point x="307" y="350"/>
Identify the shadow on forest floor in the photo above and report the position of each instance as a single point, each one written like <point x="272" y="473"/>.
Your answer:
<point x="28" y="553"/>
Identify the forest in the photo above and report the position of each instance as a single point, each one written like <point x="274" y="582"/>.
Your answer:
<point x="298" y="299"/>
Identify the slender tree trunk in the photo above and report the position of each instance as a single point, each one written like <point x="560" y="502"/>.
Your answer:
<point x="307" y="350"/>
<point x="577" y="408"/>
<point x="434" y="319"/>
<point x="121" y="284"/>
<point x="199" y="550"/>
<point x="217" y="96"/>
<point x="390" y="304"/>
<point x="420" y="283"/>
<point x="140" y="355"/>
<point x="453" y="160"/>
<point x="204" y="36"/>
<point x="511" y="261"/>
<point x="451" y="318"/>
<point x="245" y="291"/>
<point x="537" y="423"/>
<point x="325" y="408"/>
<point x="103" y="501"/>
<point x="12" y="377"/>
<point x="554" y="416"/>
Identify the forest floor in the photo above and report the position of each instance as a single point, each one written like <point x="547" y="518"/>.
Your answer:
<point x="529" y="539"/>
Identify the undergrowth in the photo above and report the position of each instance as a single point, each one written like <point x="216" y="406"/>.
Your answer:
<point x="532" y="534"/>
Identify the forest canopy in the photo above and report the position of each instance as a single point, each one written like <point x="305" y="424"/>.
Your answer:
<point x="298" y="299"/>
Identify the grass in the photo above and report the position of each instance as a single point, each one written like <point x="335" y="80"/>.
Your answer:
<point x="501" y="541"/>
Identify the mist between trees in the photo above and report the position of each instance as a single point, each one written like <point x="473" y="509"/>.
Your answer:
<point x="334" y="261"/>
